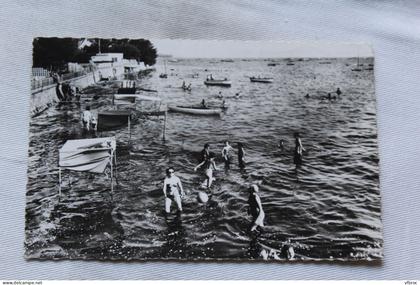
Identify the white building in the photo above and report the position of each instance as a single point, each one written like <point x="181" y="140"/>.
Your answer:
<point x="107" y="59"/>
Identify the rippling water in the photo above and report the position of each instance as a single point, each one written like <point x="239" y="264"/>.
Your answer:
<point x="328" y="209"/>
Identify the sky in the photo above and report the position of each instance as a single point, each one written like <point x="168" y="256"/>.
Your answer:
<point x="258" y="49"/>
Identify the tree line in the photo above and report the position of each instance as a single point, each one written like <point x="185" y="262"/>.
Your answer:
<point x="55" y="53"/>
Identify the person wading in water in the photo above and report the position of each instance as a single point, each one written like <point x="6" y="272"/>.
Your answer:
<point x="298" y="153"/>
<point x="226" y="155"/>
<point x="255" y="208"/>
<point x="172" y="190"/>
<point x="209" y="165"/>
<point x="241" y="154"/>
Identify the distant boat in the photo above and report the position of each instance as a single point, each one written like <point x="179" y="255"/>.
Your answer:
<point x="325" y="62"/>
<point x="193" y="110"/>
<point x="271" y="64"/>
<point x="261" y="79"/>
<point x="290" y="63"/>
<point x="227" y="60"/>
<point x="222" y="83"/>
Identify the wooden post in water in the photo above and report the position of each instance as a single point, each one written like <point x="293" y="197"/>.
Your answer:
<point x="59" y="186"/>
<point x="129" y="128"/>
<point x="164" y="128"/>
<point x="112" y="174"/>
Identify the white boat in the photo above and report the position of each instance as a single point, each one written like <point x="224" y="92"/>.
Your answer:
<point x="261" y="79"/>
<point x="214" y="82"/>
<point x="192" y="110"/>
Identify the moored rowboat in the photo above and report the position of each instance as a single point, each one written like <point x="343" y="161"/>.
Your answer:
<point x="195" y="110"/>
<point x="261" y="79"/>
<point x="223" y="83"/>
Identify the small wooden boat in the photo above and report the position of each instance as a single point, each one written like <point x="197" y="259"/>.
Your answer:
<point x="147" y="89"/>
<point x="261" y="79"/>
<point x="222" y="83"/>
<point x="127" y="90"/>
<point x="113" y="119"/>
<point x="194" y="110"/>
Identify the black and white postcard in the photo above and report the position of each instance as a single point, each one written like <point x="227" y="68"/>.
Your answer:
<point x="202" y="150"/>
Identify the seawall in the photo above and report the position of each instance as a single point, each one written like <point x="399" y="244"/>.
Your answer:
<point x="42" y="98"/>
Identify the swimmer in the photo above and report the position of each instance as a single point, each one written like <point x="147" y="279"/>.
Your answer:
<point x="220" y="95"/>
<point x="307" y="96"/>
<point x="203" y="104"/>
<point x="338" y="92"/>
<point x="281" y="145"/>
<point x="172" y="190"/>
<point x="255" y="208"/>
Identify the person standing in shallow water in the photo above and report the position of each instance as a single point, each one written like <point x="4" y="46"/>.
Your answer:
<point x="241" y="155"/>
<point x="205" y="153"/>
<point x="225" y="154"/>
<point x="298" y="153"/>
<point x="172" y="190"/>
<point x="255" y="208"/>
<point x="209" y="165"/>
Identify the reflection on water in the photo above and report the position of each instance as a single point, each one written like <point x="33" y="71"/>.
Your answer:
<point x="329" y="208"/>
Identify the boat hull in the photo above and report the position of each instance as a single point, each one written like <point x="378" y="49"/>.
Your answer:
<point x="194" y="110"/>
<point x="113" y="119"/>
<point x="136" y="97"/>
<point x="261" y="80"/>
<point x="222" y="83"/>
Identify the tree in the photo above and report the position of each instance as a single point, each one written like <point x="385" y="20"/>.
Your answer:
<point x="147" y="50"/>
<point x="129" y="50"/>
<point x="53" y="53"/>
